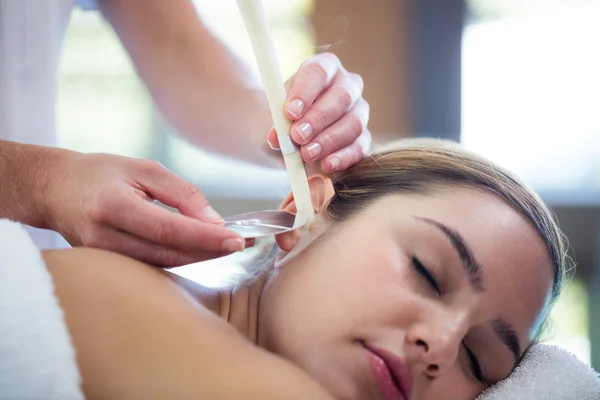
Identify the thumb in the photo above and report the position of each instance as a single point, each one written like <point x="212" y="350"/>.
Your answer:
<point x="272" y="139"/>
<point x="173" y="191"/>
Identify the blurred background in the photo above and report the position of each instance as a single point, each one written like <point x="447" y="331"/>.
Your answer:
<point x="515" y="80"/>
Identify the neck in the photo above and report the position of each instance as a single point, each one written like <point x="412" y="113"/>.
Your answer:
<point x="239" y="306"/>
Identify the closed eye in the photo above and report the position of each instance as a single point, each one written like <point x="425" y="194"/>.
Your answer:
<point x="425" y="274"/>
<point x="475" y="366"/>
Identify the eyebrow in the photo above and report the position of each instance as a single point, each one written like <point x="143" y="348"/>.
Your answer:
<point x="469" y="263"/>
<point x="508" y="336"/>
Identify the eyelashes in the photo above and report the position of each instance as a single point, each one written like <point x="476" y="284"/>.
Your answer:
<point x="425" y="274"/>
<point x="475" y="365"/>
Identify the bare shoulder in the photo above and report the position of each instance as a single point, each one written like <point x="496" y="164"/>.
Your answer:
<point x="139" y="335"/>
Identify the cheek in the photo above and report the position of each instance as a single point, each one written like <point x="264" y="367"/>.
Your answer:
<point x="343" y="293"/>
<point x="332" y="289"/>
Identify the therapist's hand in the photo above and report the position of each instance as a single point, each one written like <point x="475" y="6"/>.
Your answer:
<point x="329" y="113"/>
<point x="106" y="201"/>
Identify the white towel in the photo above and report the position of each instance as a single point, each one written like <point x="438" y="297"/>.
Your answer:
<point x="37" y="360"/>
<point x="548" y="373"/>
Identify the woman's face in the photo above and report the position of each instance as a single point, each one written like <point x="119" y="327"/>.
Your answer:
<point x="413" y="289"/>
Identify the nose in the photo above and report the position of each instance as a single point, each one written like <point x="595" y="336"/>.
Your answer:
<point x="432" y="347"/>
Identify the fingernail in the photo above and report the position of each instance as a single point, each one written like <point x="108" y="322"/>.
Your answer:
<point x="233" y="244"/>
<point x="211" y="214"/>
<point x="295" y="108"/>
<point x="271" y="146"/>
<point x="305" y="130"/>
<point x="314" y="149"/>
<point x="335" y="163"/>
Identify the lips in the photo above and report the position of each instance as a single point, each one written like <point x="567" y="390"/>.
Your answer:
<point x="390" y="374"/>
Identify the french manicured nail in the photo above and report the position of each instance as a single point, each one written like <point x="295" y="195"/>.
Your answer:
<point x="314" y="149"/>
<point x="271" y="145"/>
<point x="335" y="163"/>
<point x="233" y="244"/>
<point x="211" y="214"/>
<point x="305" y="130"/>
<point x="295" y="108"/>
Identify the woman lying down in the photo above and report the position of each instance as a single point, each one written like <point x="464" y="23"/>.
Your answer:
<point x="431" y="274"/>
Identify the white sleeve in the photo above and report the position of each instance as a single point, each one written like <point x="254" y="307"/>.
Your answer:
<point x="87" y="5"/>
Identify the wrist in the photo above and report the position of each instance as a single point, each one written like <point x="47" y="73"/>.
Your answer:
<point x="27" y="173"/>
<point x="49" y="176"/>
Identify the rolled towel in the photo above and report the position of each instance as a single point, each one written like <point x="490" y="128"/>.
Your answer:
<point x="547" y="373"/>
<point x="37" y="359"/>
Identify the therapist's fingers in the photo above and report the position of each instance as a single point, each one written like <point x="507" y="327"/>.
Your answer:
<point x="332" y="105"/>
<point x="168" y="188"/>
<point x="249" y="242"/>
<point x="336" y="161"/>
<point x="160" y="226"/>
<point x="339" y="135"/>
<point x="149" y="252"/>
<point x="314" y="77"/>
<point x="348" y="156"/>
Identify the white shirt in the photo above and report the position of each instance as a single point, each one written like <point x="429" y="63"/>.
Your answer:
<point x="31" y="38"/>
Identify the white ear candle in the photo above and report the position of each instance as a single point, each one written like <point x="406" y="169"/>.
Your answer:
<point x="257" y="26"/>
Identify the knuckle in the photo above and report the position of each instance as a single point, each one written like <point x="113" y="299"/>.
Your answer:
<point x="321" y="118"/>
<point x="363" y="144"/>
<point x="99" y="209"/>
<point x="366" y="106"/>
<point x="359" y="151"/>
<point x="328" y="143"/>
<point x="365" y="141"/>
<point x="366" y="111"/>
<point x="92" y="238"/>
<point x="358" y="79"/>
<point x="189" y="190"/>
<point x="345" y="98"/>
<point x="318" y="70"/>
<point x="349" y="155"/>
<point x="168" y="257"/>
<point x="356" y="123"/>
<point x="164" y="233"/>
<point x="151" y="166"/>
<point x="330" y="57"/>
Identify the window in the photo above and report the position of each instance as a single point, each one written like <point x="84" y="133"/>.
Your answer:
<point x="531" y="91"/>
<point x="531" y="101"/>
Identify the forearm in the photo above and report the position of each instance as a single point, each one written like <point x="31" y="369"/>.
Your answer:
<point x="200" y="87"/>
<point x="25" y="173"/>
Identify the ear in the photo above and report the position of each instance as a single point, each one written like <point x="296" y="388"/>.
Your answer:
<point x="321" y="191"/>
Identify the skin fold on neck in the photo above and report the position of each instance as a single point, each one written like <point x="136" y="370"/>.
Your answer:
<point x="237" y="305"/>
